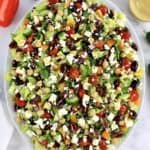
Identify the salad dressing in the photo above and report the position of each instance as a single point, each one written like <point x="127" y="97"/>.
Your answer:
<point x="140" y="8"/>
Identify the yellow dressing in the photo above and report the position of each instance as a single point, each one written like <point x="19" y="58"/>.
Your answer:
<point x="141" y="9"/>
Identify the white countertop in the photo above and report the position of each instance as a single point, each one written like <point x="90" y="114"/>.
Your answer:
<point x="139" y="137"/>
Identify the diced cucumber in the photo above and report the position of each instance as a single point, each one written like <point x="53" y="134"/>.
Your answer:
<point x="86" y="70"/>
<point x="72" y="100"/>
<point x="44" y="12"/>
<point x="32" y="80"/>
<point x="44" y="73"/>
<point x="98" y="54"/>
<point x="24" y="91"/>
<point x="41" y="7"/>
<point x="27" y="32"/>
<point x="62" y="35"/>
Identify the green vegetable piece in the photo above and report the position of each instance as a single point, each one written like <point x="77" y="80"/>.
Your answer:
<point x="27" y="32"/>
<point x="62" y="35"/>
<point x="32" y="80"/>
<point x="41" y="7"/>
<point x="44" y="12"/>
<point x="148" y="37"/>
<point x="25" y="92"/>
<point x="44" y="73"/>
<point x="86" y="70"/>
<point x="117" y="52"/>
<point x="72" y="100"/>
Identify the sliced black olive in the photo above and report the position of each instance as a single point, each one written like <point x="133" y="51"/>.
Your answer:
<point x="14" y="63"/>
<point x="18" y="81"/>
<point x="116" y="83"/>
<point x="135" y="83"/>
<point x="134" y="46"/>
<point x="132" y="114"/>
<point x="134" y="66"/>
<point x="101" y="90"/>
<point x="111" y="14"/>
<point x="13" y="44"/>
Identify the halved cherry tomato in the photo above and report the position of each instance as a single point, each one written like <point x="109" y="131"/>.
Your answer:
<point x="74" y="73"/>
<point x="44" y="142"/>
<point x="134" y="95"/>
<point x="94" y="79"/>
<point x="103" y="9"/>
<point x="47" y="115"/>
<point x="123" y="109"/>
<point x="99" y="44"/>
<point x="78" y="5"/>
<point x="102" y="145"/>
<point x="53" y="52"/>
<point x="81" y="93"/>
<point x="20" y="103"/>
<point x="126" y="63"/>
<point x="53" y="1"/>
<point x="70" y="32"/>
<point x="101" y="114"/>
<point x="125" y="35"/>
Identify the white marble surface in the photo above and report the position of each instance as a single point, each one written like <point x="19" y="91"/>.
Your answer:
<point x="139" y="137"/>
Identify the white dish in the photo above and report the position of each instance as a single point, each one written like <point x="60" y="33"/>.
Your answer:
<point x="10" y="105"/>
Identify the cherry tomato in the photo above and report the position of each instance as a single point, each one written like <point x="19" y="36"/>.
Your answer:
<point x="81" y="93"/>
<point x="125" y="35"/>
<point x="28" y="48"/>
<point x="30" y="38"/>
<point x="94" y="79"/>
<point x="99" y="44"/>
<point x="44" y="142"/>
<point x="126" y="63"/>
<point x="101" y="114"/>
<point x="53" y="52"/>
<point x="20" y="103"/>
<point x="74" y="73"/>
<point x="123" y="109"/>
<point x="70" y="32"/>
<point x="84" y="143"/>
<point x="53" y="1"/>
<point x="102" y="145"/>
<point x="47" y="115"/>
<point x="103" y="9"/>
<point x="134" y="95"/>
<point x="78" y="5"/>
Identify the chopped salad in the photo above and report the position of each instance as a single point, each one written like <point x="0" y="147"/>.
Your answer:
<point x="75" y="76"/>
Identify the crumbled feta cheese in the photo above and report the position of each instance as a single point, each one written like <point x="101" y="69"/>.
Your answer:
<point x="95" y="118"/>
<point x="84" y="6"/>
<point x="62" y="112"/>
<point x="91" y="147"/>
<point x="40" y="123"/>
<point x="111" y="116"/>
<point x="28" y="114"/>
<point x="54" y="126"/>
<point x="63" y="43"/>
<point x="129" y="122"/>
<point x="30" y="133"/>
<point x="117" y="105"/>
<point x="85" y="100"/>
<point x="29" y="26"/>
<point x="57" y="25"/>
<point x="53" y="98"/>
<point x="70" y="58"/>
<point x="94" y="69"/>
<point x="30" y="86"/>
<point x="74" y="139"/>
<point x="86" y="85"/>
<point x="81" y="122"/>
<point x="114" y="126"/>
<point x="106" y="47"/>
<point x="47" y="61"/>
<point x="41" y="18"/>
<point x="53" y="78"/>
<point x="95" y="142"/>
<point x="36" y="19"/>
<point x="20" y="71"/>
<point x="88" y="33"/>
<point x="65" y="128"/>
<point x="111" y="147"/>
<point x="50" y="14"/>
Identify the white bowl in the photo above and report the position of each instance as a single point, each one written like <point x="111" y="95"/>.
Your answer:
<point x="27" y="140"/>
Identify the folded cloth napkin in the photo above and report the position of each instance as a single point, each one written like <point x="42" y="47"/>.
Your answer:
<point x="16" y="143"/>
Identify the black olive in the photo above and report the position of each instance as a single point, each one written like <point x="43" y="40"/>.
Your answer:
<point x="64" y="68"/>
<point x="132" y="114"/>
<point x="13" y="44"/>
<point x="96" y="34"/>
<point x="101" y="90"/>
<point x="99" y="62"/>
<point x="135" y="83"/>
<point x="80" y="60"/>
<point x="47" y="127"/>
<point x="119" y="117"/>
<point x="134" y="66"/>
<point x="134" y="46"/>
<point x="116" y="83"/>
<point x="111" y="14"/>
<point x="56" y="145"/>
<point x="85" y="44"/>
<point x="36" y="100"/>
<point x="18" y="95"/>
<point x="14" y="63"/>
<point x="32" y="121"/>
<point x="34" y="52"/>
<point x="116" y="134"/>
<point x="18" y="81"/>
<point x="94" y="6"/>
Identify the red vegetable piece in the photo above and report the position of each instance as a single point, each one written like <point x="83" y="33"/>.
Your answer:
<point x="53" y="52"/>
<point x="103" y="9"/>
<point x="134" y="95"/>
<point x="8" y="9"/>
<point x="47" y="115"/>
<point x="70" y="32"/>
<point x="126" y="63"/>
<point x="28" y="48"/>
<point x="101" y="114"/>
<point x="74" y="73"/>
<point x="53" y="1"/>
<point x="102" y="145"/>
<point x="44" y="142"/>
<point x="123" y="109"/>
<point x="99" y="44"/>
<point x="78" y="5"/>
<point x="81" y="93"/>
<point x="125" y="35"/>
<point x="94" y="79"/>
<point x="20" y="103"/>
